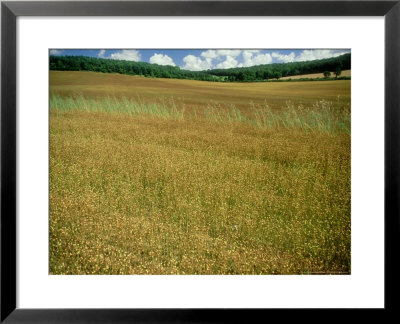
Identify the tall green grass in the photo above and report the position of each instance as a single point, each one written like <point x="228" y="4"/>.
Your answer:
<point x="323" y="115"/>
<point x="123" y="105"/>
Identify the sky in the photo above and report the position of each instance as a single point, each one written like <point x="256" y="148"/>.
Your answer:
<point x="205" y="59"/>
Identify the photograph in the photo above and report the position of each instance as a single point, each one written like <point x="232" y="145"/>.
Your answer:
<point x="206" y="161"/>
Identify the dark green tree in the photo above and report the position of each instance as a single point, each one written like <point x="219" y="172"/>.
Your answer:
<point x="338" y="71"/>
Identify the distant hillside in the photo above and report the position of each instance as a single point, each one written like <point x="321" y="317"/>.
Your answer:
<point x="244" y="74"/>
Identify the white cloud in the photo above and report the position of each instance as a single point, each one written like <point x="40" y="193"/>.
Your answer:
<point x="229" y="62"/>
<point x="211" y="54"/>
<point x="247" y="55"/>
<point x="232" y="53"/>
<point x="226" y="58"/>
<point x="56" y="52"/>
<point x="219" y="54"/>
<point x="283" y="57"/>
<point x="161" y="59"/>
<point x="248" y="52"/>
<point x="309" y="55"/>
<point x="101" y="53"/>
<point x="205" y="61"/>
<point x="128" y="55"/>
<point x="194" y="63"/>
<point x="253" y="57"/>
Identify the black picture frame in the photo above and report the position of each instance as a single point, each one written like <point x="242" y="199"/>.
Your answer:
<point x="10" y="10"/>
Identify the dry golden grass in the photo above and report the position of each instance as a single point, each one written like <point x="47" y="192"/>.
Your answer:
<point x="147" y="195"/>
<point x="197" y="93"/>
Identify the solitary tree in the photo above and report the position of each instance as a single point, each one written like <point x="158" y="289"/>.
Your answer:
<point x="338" y="72"/>
<point x="327" y="74"/>
<point x="278" y="75"/>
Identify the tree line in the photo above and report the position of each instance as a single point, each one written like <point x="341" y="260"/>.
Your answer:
<point x="243" y="74"/>
<point x="279" y="70"/>
<point x="86" y="63"/>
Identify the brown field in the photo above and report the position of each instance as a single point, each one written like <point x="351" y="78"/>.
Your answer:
<point x="160" y="192"/>
<point x="346" y="73"/>
<point x="196" y="93"/>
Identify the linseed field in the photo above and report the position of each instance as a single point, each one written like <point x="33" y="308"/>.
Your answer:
<point x="163" y="176"/>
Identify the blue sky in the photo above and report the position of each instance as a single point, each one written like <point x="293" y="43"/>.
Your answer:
<point x="204" y="59"/>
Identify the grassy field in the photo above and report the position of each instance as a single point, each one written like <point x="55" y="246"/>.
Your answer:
<point x="153" y="176"/>
<point x="196" y="93"/>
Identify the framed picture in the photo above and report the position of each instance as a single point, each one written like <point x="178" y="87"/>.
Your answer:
<point x="348" y="231"/>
